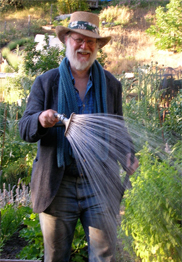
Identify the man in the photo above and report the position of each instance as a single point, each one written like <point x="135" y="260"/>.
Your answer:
<point x="59" y="194"/>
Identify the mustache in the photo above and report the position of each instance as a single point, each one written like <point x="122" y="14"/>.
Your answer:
<point x="83" y="51"/>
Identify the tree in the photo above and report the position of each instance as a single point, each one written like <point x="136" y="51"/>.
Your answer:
<point x="168" y="29"/>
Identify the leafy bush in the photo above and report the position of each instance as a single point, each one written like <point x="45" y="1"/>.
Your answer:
<point x="153" y="218"/>
<point x="36" y="26"/>
<point x="8" y="35"/>
<point x="6" y="4"/>
<point x="173" y="121"/>
<point x="70" y="6"/>
<point x="168" y="29"/>
<point x="12" y="58"/>
<point x="18" y="42"/>
<point x="16" y="155"/>
<point x="39" y="61"/>
<point x="32" y="233"/>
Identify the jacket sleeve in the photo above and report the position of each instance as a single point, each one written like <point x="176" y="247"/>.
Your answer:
<point x="29" y="127"/>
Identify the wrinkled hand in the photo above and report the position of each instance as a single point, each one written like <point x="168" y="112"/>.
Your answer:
<point x="131" y="167"/>
<point x="47" y="118"/>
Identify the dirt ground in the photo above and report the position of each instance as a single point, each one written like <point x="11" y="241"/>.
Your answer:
<point x="13" y="246"/>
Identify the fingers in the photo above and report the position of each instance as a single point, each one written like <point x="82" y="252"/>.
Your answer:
<point x="135" y="164"/>
<point x="47" y="118"/>
<point x="131" y="167"/>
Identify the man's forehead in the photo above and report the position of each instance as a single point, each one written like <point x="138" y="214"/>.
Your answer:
<point x="77" y="35"/>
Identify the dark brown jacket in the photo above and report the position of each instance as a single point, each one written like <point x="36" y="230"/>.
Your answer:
<point x="46" y="176"/>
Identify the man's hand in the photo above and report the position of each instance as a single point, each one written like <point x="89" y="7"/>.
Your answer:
<point x="131" y="167"/>
<point x="47" y="118"/>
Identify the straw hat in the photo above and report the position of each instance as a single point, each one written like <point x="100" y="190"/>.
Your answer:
<point x="84" y="23"/>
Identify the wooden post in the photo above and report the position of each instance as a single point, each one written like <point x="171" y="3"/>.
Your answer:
<point x="28" y="25"/>
<point x="51" y="16"/>
<point x="5" y="27"/>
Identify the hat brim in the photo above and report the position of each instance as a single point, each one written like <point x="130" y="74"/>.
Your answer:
<point x="61" y="31"/>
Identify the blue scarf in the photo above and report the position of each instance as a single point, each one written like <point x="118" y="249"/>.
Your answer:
<point x="67" y="104"/>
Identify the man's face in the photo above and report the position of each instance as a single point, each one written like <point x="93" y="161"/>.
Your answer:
<point x="81" y="51"/>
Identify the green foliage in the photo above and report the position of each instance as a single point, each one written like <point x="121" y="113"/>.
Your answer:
<point x="39" y="61"/>
<point x="8" y="35"/>
<point x="11" y="219"/>
<point x="7" y="4"/>
<point x="12" y="58"/>
<point x="173" y="121"/>
<point x="18" y="42"/>
<point x="34" y="250"/>
<point x="64" y="22"/>
<point x="153" y="218"/>
<point x="36" y="26"/>
<point x="168" y="29"/>
<point x="16" y="155"/>
<point x="79" y="243"/>
<point x="70" y="6"/>
<point x="143" y="106"/>
<point x="32" y="233"/>
<point x="101" y="57"/>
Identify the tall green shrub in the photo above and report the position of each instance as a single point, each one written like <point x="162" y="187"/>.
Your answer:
<point x="11" y="219"/>
<point x="6" y="4"/>
<point x="172" y="125"/>
<point x="168" y="29"/>
<point x="15" y="154"/>
<point x="39" y="61"/>
<point x="153" y="218"/>
<point x="70" y="6"/>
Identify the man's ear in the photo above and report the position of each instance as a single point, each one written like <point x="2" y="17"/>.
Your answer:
<point x="67" y="35"/>
<point x="66" y="39"/>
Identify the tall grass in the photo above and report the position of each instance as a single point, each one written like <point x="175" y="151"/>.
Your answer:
<point x="117" y="15"/>
<point x="130" y="44"/>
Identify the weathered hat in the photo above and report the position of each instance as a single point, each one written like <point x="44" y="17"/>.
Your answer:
<point x="84" y="23"/>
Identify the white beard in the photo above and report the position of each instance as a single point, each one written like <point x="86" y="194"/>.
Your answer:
<point x="75" y="63"/>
